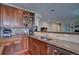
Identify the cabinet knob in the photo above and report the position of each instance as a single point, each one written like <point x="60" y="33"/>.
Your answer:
<point x="55" y="52"/>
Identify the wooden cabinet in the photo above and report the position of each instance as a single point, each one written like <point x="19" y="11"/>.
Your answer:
<point x="43" y="50"/>
<point x="16" y="47"/>
<point x="13" y="48"/>
<point x="14" y="17"/>
<point x="25" y="42"/>
<point x="30" y="43"/>
<point x="0" y="14"/>
<point x="36" y="47"/>
<point x="11" y="17"/>
<point x="43" y="47"/>
<point x="6" y="15"/>
<point x="33" y="47"/>
<point x="17" y="20"/>
<point x="53" y="50"/>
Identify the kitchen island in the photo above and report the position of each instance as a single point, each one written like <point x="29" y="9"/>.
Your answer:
<point x="70" y="47"/>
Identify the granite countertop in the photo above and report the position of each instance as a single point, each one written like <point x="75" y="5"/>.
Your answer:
<point x="67" y="45"/>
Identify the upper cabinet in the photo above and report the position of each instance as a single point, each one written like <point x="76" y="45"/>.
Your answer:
<point x="6" y="15"/>
<point x="14" y="17"/>
<point x="0" y="14"/>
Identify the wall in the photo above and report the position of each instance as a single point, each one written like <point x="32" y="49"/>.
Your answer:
<point x="40" y="21"/>
<point x="52" y="22"/>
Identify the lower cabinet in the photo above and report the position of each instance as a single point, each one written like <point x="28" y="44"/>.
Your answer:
<point x="25" y="42"/>
<point x="32" y="46"/>
<point x="13" y="48"/>
<point x="30" y="43"/>
<point x="18" y="47"/>
<point x="37" y="47"/>
<point x="53" y="50"/>
<point x="43" y="50"/>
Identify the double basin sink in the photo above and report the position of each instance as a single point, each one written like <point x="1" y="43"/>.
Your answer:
<point x="43" y="38"/>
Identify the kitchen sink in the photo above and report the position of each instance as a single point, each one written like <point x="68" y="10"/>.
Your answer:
<point x="44" y="38"/>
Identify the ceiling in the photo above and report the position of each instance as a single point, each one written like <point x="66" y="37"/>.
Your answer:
<point x="53" y="11"/>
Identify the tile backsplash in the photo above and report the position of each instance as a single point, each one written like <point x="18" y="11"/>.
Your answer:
<point x="15" y="31"/>
<point x="67" y="37"/>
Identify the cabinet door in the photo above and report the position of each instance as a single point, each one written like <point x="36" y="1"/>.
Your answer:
<point x="33" y="47"/>
<point x="41" y="47"/>
<point x="43" y="50"/>
<point x="0" y="15"/>
<point x="6" y="15"/>
<point x="52" y="50"/>
<point x="64" y="52"/>
<point x="17" y="19"/>
<point x="25" y="42"/>
<point x="14" y="17"/>
<point x="30" y="42"/>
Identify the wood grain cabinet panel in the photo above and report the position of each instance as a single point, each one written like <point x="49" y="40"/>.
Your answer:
<point x="13" y="17"/>
<point x="25" y="42"/>
<point x="43" y="50"/>
<point x="20" y="18"/>
<point x="33" y="47"/>
<point x="6" y="15"/>
<point x="16" y="17"/>
<point x="53" y="50"/>
<point x="36" y="47"/>
<point x="13" y="48"/>
<point x="30" y="42"/>
<point x="42" y="47"/>
<point x="0" y="15"/>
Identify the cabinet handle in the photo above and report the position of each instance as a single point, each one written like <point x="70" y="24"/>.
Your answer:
<point x="55" y="52"/>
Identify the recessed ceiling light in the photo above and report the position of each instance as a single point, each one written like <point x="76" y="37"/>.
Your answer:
<point x="76" y="12"/>
<point x="52" y="10"/>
